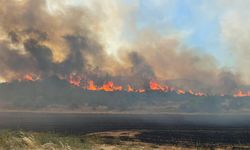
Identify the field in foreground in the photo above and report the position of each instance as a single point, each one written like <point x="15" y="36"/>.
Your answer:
<point x="115" y="140"/>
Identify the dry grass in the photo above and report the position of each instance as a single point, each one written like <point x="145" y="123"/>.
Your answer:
<point x="13" y="140"/>
<point x="10" y="140"/>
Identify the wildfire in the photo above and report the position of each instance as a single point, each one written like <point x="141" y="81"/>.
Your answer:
<point x="130" y="89"/>
<point x="180" y="91"/>
<point x="108" y="87"/>
<point x="196" y="93"/>
<point x="199" y="94"/>
<point x="30" y="77"/>
<point x="92" y="86"/>
<point x="76" y="81"/>
<point x="112" y="87"/>
<point x="156" y="87"/>
<point x="242" y="94"/>
<point x="140" y="90"/>
<point x="191" y="92"/>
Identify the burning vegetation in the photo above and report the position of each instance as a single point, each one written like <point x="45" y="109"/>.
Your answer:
<point x="65" y="55"/>
<point x="78" y="94"/>
<point x="110" y="86"/>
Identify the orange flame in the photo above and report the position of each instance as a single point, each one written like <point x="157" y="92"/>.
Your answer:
<point x="156" y="87"/>
<point x="111" y="87"/>
<point x="196" y="93"/>
<point x="180" y="91"/>
<point x="118" y="88"/>
<point x="108" y="87"/>
<point x="199" y="94"/>
<point x="242" y="94"/>
<point x="92" y="86"/>
<point x="30" y="77"/>
<point x="130" y="89"/>
<point x="74" y="81"/>
<point x="191" y="92"/>
<point x="140" y="90"/>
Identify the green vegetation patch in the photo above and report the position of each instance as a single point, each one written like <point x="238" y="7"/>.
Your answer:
<point x="10" y="140"/>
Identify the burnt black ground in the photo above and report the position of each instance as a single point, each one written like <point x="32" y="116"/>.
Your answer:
<point x="158" y="128"/>
<point x="199" y="137"/>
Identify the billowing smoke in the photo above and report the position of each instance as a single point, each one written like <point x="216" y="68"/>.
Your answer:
<point x="64" y="40"/>
<point x="55" y="43"/>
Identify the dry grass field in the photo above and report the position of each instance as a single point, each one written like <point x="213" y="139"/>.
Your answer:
<point x="115" y="140"/>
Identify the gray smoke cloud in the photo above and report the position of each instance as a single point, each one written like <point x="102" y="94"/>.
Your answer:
<point x="36" y="39"/>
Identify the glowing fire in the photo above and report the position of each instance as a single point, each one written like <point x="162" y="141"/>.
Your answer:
<point x="30" y="77"/>
<point x="92" y="86"/>
<point x="130" y="89"/>
<point x="199" y="94"/>
<point x="191" y="92"/>
<point x="196" y="93"/>
<point x="108" y="87"/>
<point x="112" y="87"/>
<point x="154" y="86"/>
<point x="74" y="81"/>
<point x="242" y="94"/>
<point x="140" y="90"/>
<point x="180" y="91"/>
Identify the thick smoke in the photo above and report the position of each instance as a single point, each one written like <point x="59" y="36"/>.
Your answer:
<point x="41" y="54"/>
<point x="59" y="42"/>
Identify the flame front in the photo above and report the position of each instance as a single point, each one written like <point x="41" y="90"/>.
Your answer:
<point x="110" y="86"/>
<point x="156" y="87"/>
<point x="240" y="93"/>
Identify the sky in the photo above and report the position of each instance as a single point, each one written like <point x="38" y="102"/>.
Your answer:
<point x="200" y="27"/>
<point x="198" y="23"/>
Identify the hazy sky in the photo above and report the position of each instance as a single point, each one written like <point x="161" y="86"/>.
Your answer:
<point x="201" y="24"/>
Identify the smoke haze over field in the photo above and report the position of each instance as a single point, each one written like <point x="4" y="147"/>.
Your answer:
<point x="100" y="41"/>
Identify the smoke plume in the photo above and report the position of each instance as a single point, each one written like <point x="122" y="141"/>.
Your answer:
<point x="75" y="40"/>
